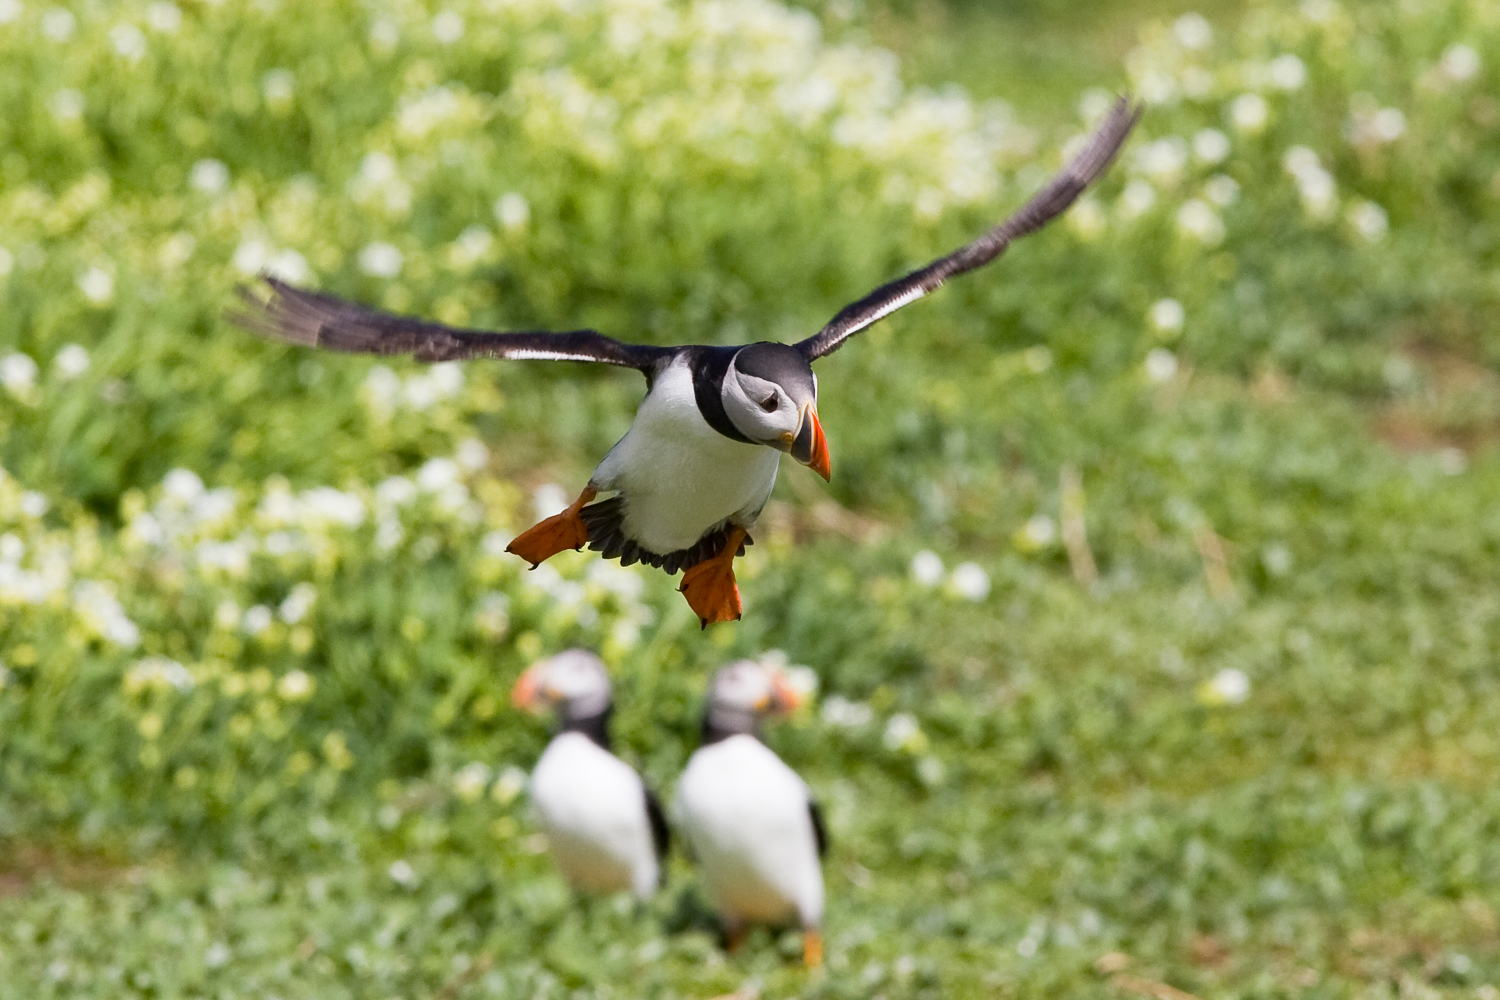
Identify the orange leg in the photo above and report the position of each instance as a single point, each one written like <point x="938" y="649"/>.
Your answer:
<point x="812" y="947"/>
<point x="709" y="586"/>
<point x="558" y="532"/>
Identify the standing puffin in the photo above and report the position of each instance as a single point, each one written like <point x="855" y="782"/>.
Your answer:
<point x="695" y="469"/>
<point x="604" y="827"/>
<point x="749" y="819"/>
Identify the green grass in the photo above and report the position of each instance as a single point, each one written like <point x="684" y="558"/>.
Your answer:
<point x="1225" y="716"/>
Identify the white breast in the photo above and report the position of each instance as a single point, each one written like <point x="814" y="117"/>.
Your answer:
<point x="678" y="476"/>
<point x="746" y="815"/>
<point x="593" y="807"/>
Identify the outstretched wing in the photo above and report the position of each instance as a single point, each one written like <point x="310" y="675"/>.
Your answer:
<point x="317" y="319"/>
<point x="1044" y="206"/>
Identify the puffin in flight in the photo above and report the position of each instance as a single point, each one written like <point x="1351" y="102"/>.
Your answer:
<point x="750" y="821"/>
<point x="692" y="474"/>
<point x="605" y="829"/>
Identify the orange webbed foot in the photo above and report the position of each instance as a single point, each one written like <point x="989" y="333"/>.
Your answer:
<point x="812" y="948"/>
<point x="710" y="587"/>
<point x="549" y="537"/>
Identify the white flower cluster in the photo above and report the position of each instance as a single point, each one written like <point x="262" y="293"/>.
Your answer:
<point x="968" y="579"/>
<point x="385" y="392"/>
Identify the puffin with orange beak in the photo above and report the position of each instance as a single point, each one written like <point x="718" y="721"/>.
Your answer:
<point x="752" y="824"/>
<point x="695" y="469"/>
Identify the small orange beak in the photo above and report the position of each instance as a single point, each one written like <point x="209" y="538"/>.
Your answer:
<point x="810" y="446"/>
<point x="784" y="697"/>
<point x="524" y="694"/>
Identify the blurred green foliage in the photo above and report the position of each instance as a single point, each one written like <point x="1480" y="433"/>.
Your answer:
<point x="1153" y="602"/>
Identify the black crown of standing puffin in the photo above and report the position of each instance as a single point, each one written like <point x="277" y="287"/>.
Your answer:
<point x="692" y="474"/>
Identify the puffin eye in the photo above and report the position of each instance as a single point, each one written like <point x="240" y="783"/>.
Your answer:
<point x="769" y="403"/>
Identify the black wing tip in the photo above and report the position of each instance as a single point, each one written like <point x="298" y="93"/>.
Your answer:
<point x="274" y="309"/>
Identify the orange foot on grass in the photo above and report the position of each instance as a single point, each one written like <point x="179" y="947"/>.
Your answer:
<point x="709" y="586"/>
<point x="812" y="948"/>
<point x="558" y="532"/>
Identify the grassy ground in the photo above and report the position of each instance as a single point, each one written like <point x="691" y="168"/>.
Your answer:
<point x="1153" y="603"/>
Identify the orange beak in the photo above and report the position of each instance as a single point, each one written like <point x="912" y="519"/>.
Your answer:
<point x="524" y="694"/>
<point x="784" y="697"/>
<point x="810" y="446"/>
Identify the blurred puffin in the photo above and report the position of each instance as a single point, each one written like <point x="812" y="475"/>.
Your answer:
<point x="695" y="469"/>
<point x="605" y="828"/>
<point x="749" y="819"/>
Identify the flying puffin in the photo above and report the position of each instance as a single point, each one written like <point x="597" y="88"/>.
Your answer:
<point x="604" y="827"/>
<point x="749" y="819"/>
<point x="690" y="477"/>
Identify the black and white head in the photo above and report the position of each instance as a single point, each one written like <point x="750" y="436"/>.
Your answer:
<point x="743" y="693"/>
<point x="770" y="394"/>
<point x="573" y="683"/>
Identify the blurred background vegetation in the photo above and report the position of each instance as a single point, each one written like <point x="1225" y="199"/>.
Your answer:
<point x="1153" y="602"/>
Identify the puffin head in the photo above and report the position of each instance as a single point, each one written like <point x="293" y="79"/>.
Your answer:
<point x="573" y="682"/>
<point x="744" y="692"/>
<point x="770" y="394"/>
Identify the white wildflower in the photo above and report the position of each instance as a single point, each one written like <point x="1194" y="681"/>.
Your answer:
<point x="1137" y="198"/>
<point x="1277" y="559"/>
<point x="1369" y="220"/>
<point x="10" y="10"/>
<point x="295" y="685"/>
<point x="384" y="36"/>
<point x="472" y="454"/>
<point x="157" y="673"/>
<point x="511" y="782"/>
<point x="182" y="486"/>
<point x="217" y="955"/>
<point x="1287" y="72"/>
<point x="840" y="711"/>
<point x="1460" y="62"/>
<point x="297" y="603"/>
<point x="927" y="568"/>
<point x="12" y="549"/>
<point x="1229" y="686"/>
<point x="437" y="474"/>
<point x="1210" y="146"/>
<point x="382" y="389"/>
<point x="471" y="246"/>
<point x="395" y="491"/>
<point x="902" y="732"/>
<point x="1222" y="190"/>
<point x="1193" y="31"/>
<point x="288" y="265"/>
<point x="1387" y="125"/>
<point x="1039" y="531"/>
<point x="1164" y="159"/>
<point x="327" y="504"/>
<point x="381" y="260"/>
<point x="33" y="504"/>
<point x="402" y="874"/>
<point x="1198" y="220"/>
<point x="447" y="378"/>
<point x="232" y="557"/>
<point x="164" y="17"/>
<point x="251" y="255"/>
<point x="1319" y="11"/>
<point x="549" y="499"/>
<point x="67" y="105"/>
<point x="1249" y="113"/>
<point x="278" y="86"/>
<point x="97" y="285"/>
<point x="97" y="604"/>
<point x="470" y="781"/>
<point x="71" y="361"/>
<point x="1161" y="365"/>
<point x="512" y="210"/>
<point x="420" y="392"/>
<point x="128" y="41"/>
<point x="18" y="373"/>
<point x="1088" y="219"/>
<point x="970" y="581"/>
<point x="448" y="27"/>
<point x="1167" y="315"/>
<point x="59" y="24"/>
<point x="7" y="259"/>
<point x="255" y="620"/>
